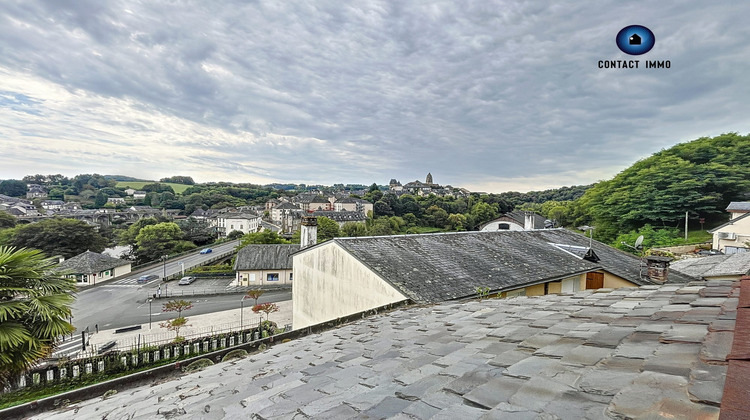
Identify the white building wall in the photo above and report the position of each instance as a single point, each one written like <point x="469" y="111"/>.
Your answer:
<point x="741" y="231"/>
<point x="493" y="226"/>
<point x="330" y="283"/>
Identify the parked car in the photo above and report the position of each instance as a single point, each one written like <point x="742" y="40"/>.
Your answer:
<point x="147" y="278"/>
<point x="186" y="280"/>
<point x="207" y="251"/>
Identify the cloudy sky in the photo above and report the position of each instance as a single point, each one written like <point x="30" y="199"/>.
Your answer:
<point x="488" y="95"/>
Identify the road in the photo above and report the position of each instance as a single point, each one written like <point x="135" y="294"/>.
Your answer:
<point x="123" y="302"/>
<point x="123" y="312"/>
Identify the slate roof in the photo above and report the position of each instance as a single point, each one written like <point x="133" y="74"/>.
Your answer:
<point x="341" y="216"/>
<point x="243" y="216"/>
<point x="446" y="266"/>
<point x="90" y="262"/>
<point x="649" y="352"/>
<point x="265" y="257"/>
<point x="738" y="206"/>
<point x="714" y="265"/>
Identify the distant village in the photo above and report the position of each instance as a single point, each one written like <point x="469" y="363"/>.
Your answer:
<point x="281" y="215"/>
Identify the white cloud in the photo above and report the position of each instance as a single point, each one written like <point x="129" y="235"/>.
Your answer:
<point x="490" y="94"/>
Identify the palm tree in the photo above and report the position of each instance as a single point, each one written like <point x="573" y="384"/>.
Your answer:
<point x="34" y="308"/>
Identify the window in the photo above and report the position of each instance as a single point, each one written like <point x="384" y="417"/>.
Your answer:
<point x="503" y="226"/>
<point x="272" y="277"/>
<point x="290" y="277"/>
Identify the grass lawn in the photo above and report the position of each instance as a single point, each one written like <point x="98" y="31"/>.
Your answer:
<point x="178" y="188"/>
<point x="423" y="229"/>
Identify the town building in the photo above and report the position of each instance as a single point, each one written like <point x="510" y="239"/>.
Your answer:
<point x="91" y="267"/>
<point x="265" y="265"/>
<point x="242" y="222"/>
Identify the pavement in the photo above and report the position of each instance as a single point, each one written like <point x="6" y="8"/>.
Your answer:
<point x="198" y="325"/>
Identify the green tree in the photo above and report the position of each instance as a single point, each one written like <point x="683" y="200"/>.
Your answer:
<point x="700" y="177"/>
<point x="154" y="241"/>
<point x="35" y="304"/>
<point x="7" y="220"/>
<point x="456" y="221"/>
<point x="381" y="227"/>
<point x="353" y="229"/>
<point x="263" y="237"/>
<point x="197" y="232"/>
<point x="101" y="199"/>
<point x="13" y="188"/>
<point x="65" y="237"/>
<point x="327" y="229"/>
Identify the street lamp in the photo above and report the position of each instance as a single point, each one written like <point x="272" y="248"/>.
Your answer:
<point x="182" y="266"/>
<point x="164" y="259"/>
<point x="242" y="311"/>
<point x="149" y="312"/>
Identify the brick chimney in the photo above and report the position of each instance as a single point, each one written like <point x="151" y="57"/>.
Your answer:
<point x="309" y="231"/>
<point x="657" y="268"/>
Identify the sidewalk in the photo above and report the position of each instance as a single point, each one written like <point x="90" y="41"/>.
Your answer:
<point x="199" y="325"/>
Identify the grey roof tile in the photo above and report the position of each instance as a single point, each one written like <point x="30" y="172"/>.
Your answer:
<point x="90" y="262"/>
<point x="265" y="257"/>
<point x="498" y="260"/>
<point x="375" y="368"/>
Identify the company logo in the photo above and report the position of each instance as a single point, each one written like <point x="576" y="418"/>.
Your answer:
<point x="635" y="40"/>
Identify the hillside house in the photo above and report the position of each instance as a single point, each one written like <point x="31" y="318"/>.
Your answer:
<point x="734" y="236"/>
<point x="516" y="220"/>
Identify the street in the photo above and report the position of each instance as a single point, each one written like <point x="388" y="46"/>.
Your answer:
<point x="122" y="306"/>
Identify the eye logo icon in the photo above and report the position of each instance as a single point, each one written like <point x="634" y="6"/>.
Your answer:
<point x="635" y="40"/>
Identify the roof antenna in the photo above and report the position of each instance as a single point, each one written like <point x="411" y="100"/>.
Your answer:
<point x="638" y="248"/>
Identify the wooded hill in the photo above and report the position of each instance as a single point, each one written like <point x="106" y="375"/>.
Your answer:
<point x="700" y="177"/>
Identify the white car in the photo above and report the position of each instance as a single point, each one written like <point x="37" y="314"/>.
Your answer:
<point x="186" y="280"/>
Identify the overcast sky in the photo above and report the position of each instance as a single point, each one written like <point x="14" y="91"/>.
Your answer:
<point x="488" y="95"/>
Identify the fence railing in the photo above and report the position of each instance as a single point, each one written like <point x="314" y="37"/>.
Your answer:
<point x="136" y="358"/>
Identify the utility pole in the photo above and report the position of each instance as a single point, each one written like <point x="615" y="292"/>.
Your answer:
<point x="686" y="225"/>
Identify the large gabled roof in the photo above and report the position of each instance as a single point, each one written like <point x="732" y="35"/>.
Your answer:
<point x="265" y="257"/>
<point x="440" y="267"/>
<point x="90" y="262"/>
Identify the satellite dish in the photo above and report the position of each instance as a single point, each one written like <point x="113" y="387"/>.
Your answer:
<point x="639" y="242"/>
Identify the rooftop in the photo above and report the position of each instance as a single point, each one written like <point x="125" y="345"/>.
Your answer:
<point x="90" y="262"/>
<point x="715" y="265"/>
<point x="648" y="352"/>
<point x="418" y="265"/>
<point x="265" y="257"/>
<point x="739" y="206"/>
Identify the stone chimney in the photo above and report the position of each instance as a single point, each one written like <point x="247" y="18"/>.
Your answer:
<point x="528" y="221"/>
<point x="309" y="231"/>
<point x="657" y="268"/>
